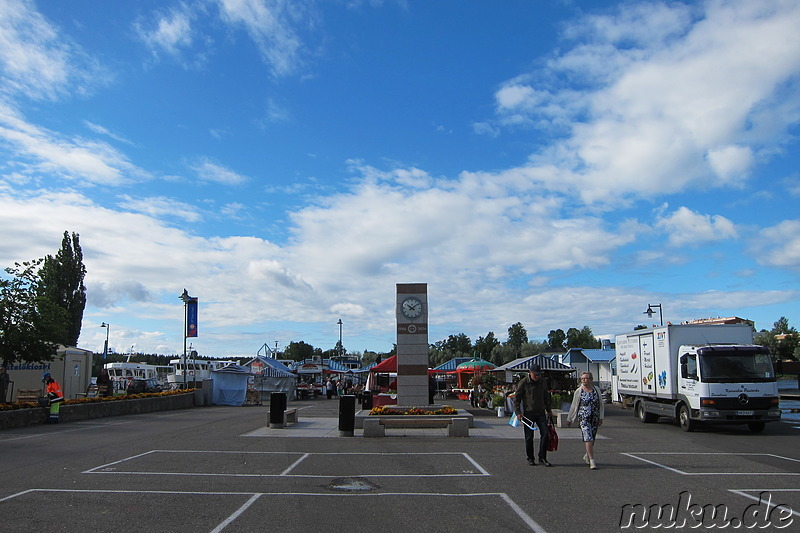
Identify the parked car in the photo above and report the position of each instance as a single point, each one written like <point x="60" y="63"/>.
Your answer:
<point x="138" y="386"/>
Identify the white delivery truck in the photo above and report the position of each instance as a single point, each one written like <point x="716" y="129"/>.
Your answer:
<point x="697" y="373"/>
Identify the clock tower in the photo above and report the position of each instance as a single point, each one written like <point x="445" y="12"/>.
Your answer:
<point x="412" y="344"/>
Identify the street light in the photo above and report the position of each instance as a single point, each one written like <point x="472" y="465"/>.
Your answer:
<point x="650" y="312"/>
<point x="341" y="348"/>
<point x="105" y="348"/>
<point x="186" y="299"/>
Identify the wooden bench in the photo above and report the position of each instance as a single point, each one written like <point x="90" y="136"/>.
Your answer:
<point x="290" y="416"/>
<point x="376" y="427"/>
<point x="28" y="395"/>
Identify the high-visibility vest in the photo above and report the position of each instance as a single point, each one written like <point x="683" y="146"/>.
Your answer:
<point x="55" y="389"/>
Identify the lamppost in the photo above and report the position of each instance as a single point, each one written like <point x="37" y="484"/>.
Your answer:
<point x="341" y="348"/>
<point x="650" y="312"/>
<point x="186" y="299"/>
<point x="108" y="328"/>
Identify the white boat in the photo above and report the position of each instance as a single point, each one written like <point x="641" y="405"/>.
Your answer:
<point x="195" y="369"/>
<point x="123" y="372"/>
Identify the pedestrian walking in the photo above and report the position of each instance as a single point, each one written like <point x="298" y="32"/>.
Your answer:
<point x="532" y="402"/>
<point x="587" y="407"/>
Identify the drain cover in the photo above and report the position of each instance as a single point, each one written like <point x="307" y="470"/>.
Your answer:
<point x="351" y="484"/>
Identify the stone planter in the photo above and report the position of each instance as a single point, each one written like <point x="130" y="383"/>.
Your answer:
<point x="85" y="411"/>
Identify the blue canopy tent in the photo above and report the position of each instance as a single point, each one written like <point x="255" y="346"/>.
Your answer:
<point x="230" y="385"/>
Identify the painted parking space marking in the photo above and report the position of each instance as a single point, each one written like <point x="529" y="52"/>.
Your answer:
<point x="245" y="511"/>
<point x="295" y="464"/>
<point x="719" y="464"/>
<point x="788" y="497"/>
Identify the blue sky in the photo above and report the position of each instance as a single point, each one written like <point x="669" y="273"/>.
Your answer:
<point x="558" y="164"/>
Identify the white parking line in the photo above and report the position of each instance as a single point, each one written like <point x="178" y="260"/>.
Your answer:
<point x="636" y="455"/>
<point x="110" y="468"/>
<point x="254" y="496"/>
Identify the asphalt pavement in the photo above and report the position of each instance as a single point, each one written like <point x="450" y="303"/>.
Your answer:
<point x="221" y="469"/>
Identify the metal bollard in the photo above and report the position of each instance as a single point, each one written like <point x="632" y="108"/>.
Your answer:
<point x="347" y="415"/>
<point x="277" y="406"/>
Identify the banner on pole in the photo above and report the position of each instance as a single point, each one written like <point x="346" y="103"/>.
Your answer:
<point x="191" y="317"/>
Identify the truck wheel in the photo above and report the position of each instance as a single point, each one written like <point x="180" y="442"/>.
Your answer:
<point x="756" y="427"/>
<point x="687" y="424"/>
<point x="643" y="416"/>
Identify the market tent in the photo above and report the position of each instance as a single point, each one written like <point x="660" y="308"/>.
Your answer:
<point x="230" y="385"/>
<point x="387" y="366"/>
<point x="270" y="375"/>
<point x="468" y="369"/>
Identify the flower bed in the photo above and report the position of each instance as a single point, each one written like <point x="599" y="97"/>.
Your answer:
<point x="96" y="399"/>
<point x="412" y="411"/>
<point x="27" y="413"/>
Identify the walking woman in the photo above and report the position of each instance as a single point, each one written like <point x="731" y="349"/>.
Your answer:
<point x="587" y="407"/>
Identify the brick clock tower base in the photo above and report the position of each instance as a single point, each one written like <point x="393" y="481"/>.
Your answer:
<point x="412" y="344"/>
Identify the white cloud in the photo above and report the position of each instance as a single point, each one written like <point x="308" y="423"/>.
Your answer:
<point x="779" y="245"/>
<point x="269" y="23"/>
<point x="171" y="32"/>
<point x="213" y="172"/>
<point x="686" y="227"/>
<point x="673" y="97"/>
<point x="36" y="60"/>
<point x="75" y="158"/>
<point x="161" y="207"/>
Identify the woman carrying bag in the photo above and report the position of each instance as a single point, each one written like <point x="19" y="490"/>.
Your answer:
<point x="587" y="407"/>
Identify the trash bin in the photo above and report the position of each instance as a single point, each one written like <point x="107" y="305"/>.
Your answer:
<point x="277" y="406"/>
<point x="366" y="400"/>
<point x="347" y="415"/>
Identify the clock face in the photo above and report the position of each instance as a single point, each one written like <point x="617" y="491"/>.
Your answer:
<point x="411" y="308"/>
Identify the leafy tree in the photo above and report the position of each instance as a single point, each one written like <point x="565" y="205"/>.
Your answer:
<point x="783" y="340"/>
<point x="31" y="325"/>
<point x="61" y="281"/>
<point x="534" y="348"/>
<point x="582" y="338"/>
<point x="485" y="345"/>
<point x="517" y="336"/>
<point x="458" y="345"/>
<point x="556" y="339"/>
<point x="297" y="351"/>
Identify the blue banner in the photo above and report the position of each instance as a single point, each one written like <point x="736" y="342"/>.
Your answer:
<point x="191" y="317"/>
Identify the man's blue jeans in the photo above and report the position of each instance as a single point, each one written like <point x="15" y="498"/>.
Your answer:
<point x="541" y="423"/>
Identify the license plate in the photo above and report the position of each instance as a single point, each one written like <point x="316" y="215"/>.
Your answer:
<point x="745" y="413"/>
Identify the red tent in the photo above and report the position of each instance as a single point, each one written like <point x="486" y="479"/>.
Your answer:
<point x="387" y="365"/>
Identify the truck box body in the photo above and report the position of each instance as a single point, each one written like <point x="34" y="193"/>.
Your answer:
<point x="697" y="372"/>
<point x="647" y="359"/>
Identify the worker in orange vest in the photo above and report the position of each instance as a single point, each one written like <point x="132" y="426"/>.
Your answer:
<point x="55" y="395"/>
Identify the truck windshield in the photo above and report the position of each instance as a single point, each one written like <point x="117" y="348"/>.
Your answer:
<point x="723" y="367"/>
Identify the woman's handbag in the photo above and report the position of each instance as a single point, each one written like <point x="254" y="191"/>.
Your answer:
<point x="552" y="437"/>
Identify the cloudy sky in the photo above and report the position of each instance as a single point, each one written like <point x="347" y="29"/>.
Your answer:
<point x="288" y="162"/>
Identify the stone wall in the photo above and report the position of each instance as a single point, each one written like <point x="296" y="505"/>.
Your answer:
<point x="84" y="411"/>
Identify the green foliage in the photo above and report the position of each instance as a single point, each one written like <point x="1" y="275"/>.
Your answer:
<point x="782" y="340"/>
<point x="485" y="345"/>
<point x="61" y="282"/>
<point x="31" y="325"/>
<point x="517" y="336"/>
<point x="297" y="351"/>
<point x="582" y="338"/>
<point x="556" y="339"/>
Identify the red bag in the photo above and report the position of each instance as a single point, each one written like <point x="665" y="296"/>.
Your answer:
<point x="552" y="438"/>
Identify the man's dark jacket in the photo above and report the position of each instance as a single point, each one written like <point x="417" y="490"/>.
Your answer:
<point x="533" y="395"/>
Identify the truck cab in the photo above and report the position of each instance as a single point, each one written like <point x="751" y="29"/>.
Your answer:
<point x="726" y="384"/>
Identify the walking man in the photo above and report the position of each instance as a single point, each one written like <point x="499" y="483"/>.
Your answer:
<point x="532" y="401"/>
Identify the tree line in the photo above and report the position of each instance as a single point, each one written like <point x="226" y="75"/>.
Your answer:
<point x="42" y="303"/>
